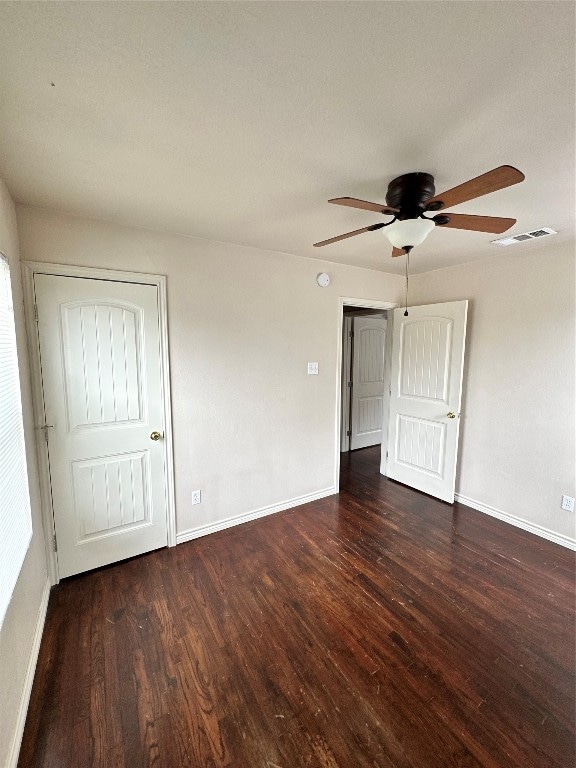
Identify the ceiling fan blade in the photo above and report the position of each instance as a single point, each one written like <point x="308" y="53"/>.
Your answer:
<point x="398" y="252"/>
<point x="349" y="234"/>
<point x="499" y="178"/>
<point x="352" y="202"/>
<point x="494" y="224"/>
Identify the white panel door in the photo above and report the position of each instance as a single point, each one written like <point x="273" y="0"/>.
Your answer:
<point x="425" y="392"/>
<point x="101" y="377"/>
<point x="368" y="381"/>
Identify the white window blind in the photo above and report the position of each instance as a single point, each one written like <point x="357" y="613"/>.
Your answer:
<point x="15" y="517"/>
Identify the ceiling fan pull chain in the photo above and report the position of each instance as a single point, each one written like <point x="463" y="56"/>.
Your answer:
<point x="407" y="248"/>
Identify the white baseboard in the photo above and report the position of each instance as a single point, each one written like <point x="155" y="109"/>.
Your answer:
<point x="29" y="679"/>
<point x="229" y="522"/>
<point x="519" y="522"/>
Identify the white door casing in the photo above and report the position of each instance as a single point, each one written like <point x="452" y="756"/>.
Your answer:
<point x="346" y="383"/>
<point x="368" y="381"/>
<point x="425" y="395"/>
<point x="102" y="388"/>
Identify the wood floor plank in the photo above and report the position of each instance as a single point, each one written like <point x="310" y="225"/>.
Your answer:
<point x="379" y="628"/>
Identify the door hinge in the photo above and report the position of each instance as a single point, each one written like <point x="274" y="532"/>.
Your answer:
<point x="349" y="384"/>
<point x="36" y="312"/>
<point x="351" y="334"/>
<point x="348" y="433"/>
<point x="54" y="543"/>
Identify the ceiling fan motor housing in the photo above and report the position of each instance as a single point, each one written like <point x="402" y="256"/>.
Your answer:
<point x="409" y="193"/>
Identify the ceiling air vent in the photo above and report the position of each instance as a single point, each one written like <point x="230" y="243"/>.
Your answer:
<point x="542" y="232"/>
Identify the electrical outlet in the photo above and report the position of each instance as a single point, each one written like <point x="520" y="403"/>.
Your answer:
<point x="313" y="369"/>
<point x="568" y="503"/>
<point x="196" y="497"/>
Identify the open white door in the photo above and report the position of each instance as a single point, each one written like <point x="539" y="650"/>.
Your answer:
<point x="425" y="393"/>
<point x="102" y="388"/>
<point x="368" y="381"/>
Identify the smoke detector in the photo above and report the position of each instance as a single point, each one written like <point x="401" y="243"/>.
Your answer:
<point x="536" y="233"/>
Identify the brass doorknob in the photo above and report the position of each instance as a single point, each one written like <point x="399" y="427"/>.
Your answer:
<point x="451" y="415"/>
<point x="155" y="436"/>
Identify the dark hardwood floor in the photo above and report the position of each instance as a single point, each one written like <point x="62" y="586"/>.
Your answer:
<point x="378" y="628"/>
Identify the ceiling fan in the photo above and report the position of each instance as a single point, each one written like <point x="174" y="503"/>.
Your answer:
<point x="411" y="196"/>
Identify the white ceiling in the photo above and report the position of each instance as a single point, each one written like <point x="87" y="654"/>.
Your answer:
<point x="236" y="121"/>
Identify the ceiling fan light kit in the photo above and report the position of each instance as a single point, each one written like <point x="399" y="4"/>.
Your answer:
<point x="411" y="196"/>
<point x="409" y="232"/>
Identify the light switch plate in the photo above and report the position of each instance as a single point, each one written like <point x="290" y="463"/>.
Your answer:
<point x="312" y="369"/>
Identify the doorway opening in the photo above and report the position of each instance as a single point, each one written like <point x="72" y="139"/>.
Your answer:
<point x="368" y="413"/>
<point x="362" y="418"/>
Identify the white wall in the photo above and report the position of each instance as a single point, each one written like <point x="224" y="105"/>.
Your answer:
<point x="517" y="442"/>
<point x="251" y="428"/>
<point x="25" y="615"/>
